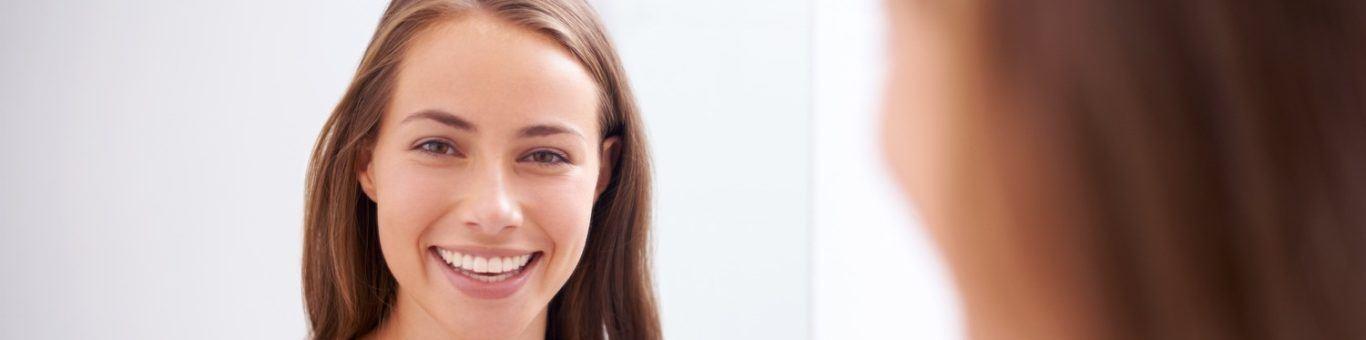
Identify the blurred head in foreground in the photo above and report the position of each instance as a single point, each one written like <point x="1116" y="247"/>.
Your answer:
<point x="1163" y="169"/>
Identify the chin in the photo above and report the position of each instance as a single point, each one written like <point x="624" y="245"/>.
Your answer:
<point x="501" y="322"/>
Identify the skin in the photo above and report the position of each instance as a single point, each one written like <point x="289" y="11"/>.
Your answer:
<point x="1013" y="284"/>
<point x="521" y="171"/>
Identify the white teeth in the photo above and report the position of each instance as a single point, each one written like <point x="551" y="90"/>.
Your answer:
<point x="481" y="265"/>
<point x="495" y="278"/>
<point x="448" y="256"/>
<point x="496" y="265"/>
<point x="503" y="266"/>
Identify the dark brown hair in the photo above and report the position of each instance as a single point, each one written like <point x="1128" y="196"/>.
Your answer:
<point x="1214" y="154"/>
<point x="347" y="286"/>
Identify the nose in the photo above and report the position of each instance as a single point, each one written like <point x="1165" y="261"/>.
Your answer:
<point x="489" y="206"/>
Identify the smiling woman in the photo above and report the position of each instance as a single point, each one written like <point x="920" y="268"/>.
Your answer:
<point x="484" y="176"/>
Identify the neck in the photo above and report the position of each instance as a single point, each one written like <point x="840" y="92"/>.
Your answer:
<point x="407" y="320"/>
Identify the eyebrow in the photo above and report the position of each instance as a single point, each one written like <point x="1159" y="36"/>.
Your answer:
<point x="454" y="121"/>
<point x="442" y="117"/>
<point x="542" y="130"/>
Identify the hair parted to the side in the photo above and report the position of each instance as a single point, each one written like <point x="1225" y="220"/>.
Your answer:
<point x="348" y="287"/>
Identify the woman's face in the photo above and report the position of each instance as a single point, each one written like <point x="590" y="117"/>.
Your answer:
<point x="484" y="170"/>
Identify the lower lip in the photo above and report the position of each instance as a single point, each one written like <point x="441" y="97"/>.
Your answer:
<point x="485" y="290"/>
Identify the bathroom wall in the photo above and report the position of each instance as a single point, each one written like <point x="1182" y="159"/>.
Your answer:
<point x="725" y="87"/>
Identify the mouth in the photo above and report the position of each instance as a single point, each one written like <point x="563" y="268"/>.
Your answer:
<point x="486" y="274"/>
<point x="486" y="269"/>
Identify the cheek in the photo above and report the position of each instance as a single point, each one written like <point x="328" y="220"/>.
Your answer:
<point x="562" y="209"/>
<point x="410" y="201"/>
<point x="922" y="87"/>
<point x="913" y="127"/>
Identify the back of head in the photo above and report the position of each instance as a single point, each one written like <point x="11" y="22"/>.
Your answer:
<point x="1216" y="152"/>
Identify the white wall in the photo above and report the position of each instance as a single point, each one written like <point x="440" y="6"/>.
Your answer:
<point x="153" y="158"/>
<point x="875" y="275"/>
<point x="725" y="87"/>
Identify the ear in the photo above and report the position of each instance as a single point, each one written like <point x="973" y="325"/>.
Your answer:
<point x="363" y="171"/>
<point x="609" y="155"/>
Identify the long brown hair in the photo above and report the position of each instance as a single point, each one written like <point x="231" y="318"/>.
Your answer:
<point x="347" y="286"/>
<point x="1213" y="155"/>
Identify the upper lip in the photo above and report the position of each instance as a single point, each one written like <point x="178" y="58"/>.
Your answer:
<point x="487" y="251"/>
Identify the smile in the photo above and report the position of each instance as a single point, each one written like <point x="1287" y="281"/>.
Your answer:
<point x="486" y="273"/>
<point x="486" y="269"/>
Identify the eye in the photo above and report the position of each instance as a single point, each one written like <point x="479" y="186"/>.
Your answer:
<point x="546" y="157"/>
<point x="437" y="147"/>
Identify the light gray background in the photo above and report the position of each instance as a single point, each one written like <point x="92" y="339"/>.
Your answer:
<point x="153" y="160"/>
<point x="725" y="86"/>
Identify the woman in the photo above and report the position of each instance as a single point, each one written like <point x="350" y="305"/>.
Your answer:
<point x="1162" y="169"/>
<point x="485" y="176"/>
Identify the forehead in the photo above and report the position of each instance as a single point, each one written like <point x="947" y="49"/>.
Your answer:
<point x="493" y="72"/>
